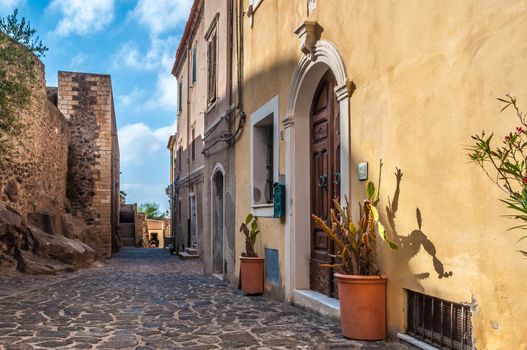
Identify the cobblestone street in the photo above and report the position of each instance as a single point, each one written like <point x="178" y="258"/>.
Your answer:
<point x="148" y="299"/>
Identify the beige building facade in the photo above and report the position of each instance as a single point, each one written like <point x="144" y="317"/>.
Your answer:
<point x="328" y="87"/>
<point x="187" y="144"/>
<point x="206" y="67"/>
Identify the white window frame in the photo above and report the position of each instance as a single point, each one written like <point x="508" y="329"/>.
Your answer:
<point x="270" y="107"/>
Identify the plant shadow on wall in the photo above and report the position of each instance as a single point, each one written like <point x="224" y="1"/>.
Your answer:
<point x="411" y="245"/>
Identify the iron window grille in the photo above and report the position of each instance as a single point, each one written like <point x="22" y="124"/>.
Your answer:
<point x="440" y="323"/>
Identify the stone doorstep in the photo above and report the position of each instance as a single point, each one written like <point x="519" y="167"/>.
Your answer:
<point x="191" y="251"/>
<point x="186" y="255"/>
<point x="317" y="302"/>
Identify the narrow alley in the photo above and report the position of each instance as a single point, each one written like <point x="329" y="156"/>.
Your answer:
<point x="148" y="299"/>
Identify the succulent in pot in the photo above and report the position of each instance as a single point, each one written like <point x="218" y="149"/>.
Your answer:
<point x="362" y="291"/>
<point x="251" y="266"/>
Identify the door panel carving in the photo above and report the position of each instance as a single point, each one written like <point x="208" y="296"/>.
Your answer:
<point x="325" y="180"/>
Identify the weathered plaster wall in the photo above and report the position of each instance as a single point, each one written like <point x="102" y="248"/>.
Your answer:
<point x="427" y="75"/>
<point x="189" y="178"/>
<point x="33" y="177"/>
<point x="87" y="102"/>
<point x="218" y="123"/>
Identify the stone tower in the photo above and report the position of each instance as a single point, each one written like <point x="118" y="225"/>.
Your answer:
<point x="86" y="100"/>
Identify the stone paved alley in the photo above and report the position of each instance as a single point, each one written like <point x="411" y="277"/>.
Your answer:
<point x="148" y="299"/>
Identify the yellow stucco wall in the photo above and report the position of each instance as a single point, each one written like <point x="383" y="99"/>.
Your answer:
<point x="427" y="74"/>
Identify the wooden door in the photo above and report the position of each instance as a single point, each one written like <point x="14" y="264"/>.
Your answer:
<point x="193" y="223"/>
<point x="218" y="213"/>
<point x="325" y="180"/>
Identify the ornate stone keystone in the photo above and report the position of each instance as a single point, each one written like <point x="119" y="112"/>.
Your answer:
<point x="308" y="33"/>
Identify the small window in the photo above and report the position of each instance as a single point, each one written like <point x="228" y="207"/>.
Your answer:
<point x="178" y="156"/>
<point x="264" y="157"/>
<point x="211" y="69"/>
<point x="194" y="65"/>
<point x="180" y="95"/>
<point x="438" y="322"/>
<point x="193" y="147"/>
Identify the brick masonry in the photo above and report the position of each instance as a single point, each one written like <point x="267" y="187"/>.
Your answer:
<point x="86" y="101"/>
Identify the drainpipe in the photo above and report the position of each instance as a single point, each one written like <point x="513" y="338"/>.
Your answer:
<point x="189" y="61"/>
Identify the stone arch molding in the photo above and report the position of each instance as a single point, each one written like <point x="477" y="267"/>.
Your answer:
<point x="326" y="53"/>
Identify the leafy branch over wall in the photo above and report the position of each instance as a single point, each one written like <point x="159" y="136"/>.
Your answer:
<point x="19" y="48"/>
<point x="504" y="163"/>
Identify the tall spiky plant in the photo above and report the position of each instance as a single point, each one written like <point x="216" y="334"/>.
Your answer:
<point x="356" y="243"/>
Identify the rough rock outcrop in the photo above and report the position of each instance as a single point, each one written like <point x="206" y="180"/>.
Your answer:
<point x="74" y="227"/>
<point x="36" y="265"/>
<point x="28" y="248"/>
<point x="63" y="249"/>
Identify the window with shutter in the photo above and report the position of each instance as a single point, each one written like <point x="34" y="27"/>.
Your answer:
<point x="180" y="95"/>
<point x="193" y="144"/>
<point x="211" y="68"/>
<point x="194" y="65"/>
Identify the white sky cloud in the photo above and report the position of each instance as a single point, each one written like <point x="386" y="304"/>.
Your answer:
<point x="83" y="16"/>
<point x="159" y="56"/>
<point x="8" y="6"/>
<point x="77" y="61"/>
<point x="165" y="95"/>
<point x="132" y="98"/>
<point x="161" y="15"/>
<point x="138" y="140"/>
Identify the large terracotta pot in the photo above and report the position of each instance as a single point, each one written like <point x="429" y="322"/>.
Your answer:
<point x="252" y="275"/>
<point x="362" y="306"/>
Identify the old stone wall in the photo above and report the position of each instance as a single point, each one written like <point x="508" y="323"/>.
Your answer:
<point x="33" y="175"/>
<point x="93" y="188"/>
<point x="141" y="229"/>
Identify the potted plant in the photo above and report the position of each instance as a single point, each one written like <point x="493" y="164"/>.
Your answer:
<point x="251" y="266"/>
<point x="362" y="291"/>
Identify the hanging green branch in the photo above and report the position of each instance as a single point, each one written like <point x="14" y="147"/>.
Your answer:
<point x="21" y="32"/>
<point x="504" y="163"/>
<point x="18" y="47"/>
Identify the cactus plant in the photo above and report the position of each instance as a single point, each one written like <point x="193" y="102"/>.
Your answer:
<point x="356" y="243"/>
<point x="250" y="229"/>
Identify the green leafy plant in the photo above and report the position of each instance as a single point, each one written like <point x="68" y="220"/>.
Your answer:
<point x="21" y="32"/>
<point x="17" y="75"/>
<point x="504" y="163"/>
<point x="151" y="211"/>
<point x="356" y="242"/>
<point x="250" y="229"/>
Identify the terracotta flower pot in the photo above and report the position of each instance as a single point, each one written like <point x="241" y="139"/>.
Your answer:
<point x="252" y="275"/>
<point x="362" y="306"/>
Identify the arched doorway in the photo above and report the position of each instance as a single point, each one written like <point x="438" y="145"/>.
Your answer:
<point x="218" y="222"/>
<point x="323" y="62"/>
<point x="324" y="131"/>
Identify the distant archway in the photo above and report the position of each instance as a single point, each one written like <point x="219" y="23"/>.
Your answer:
<point x="218" y="220"/>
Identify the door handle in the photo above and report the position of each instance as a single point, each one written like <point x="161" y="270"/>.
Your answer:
<point x="323" y="181"/>
<point x="336" y="178"/>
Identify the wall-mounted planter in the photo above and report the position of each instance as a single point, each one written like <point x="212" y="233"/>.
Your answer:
<point x="252" y="275"/>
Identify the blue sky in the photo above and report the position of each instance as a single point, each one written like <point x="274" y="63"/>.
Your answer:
<point x="135" y="42"/>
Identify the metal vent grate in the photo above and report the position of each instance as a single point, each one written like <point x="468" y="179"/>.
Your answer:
<point x="440" y="323"/>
